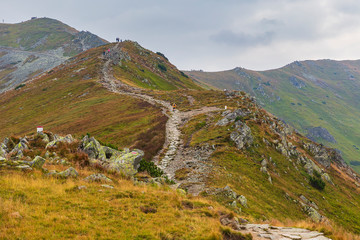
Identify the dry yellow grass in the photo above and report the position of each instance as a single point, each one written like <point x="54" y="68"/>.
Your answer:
<point x="33" y="206"/>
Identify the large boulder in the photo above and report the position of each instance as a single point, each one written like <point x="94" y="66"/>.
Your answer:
<point x="232" y="116"/>
<point x="45" y="138"/>
<point x="70" y="172"/>
<point x="38" y="162"/>
<point x="20" y="147"/>
<point x="126" y="162"/>
<point x="67" y="139"/>
<point x="242" y="135"/>
<point x="98" y="177"/>
<point x="91" y="147"/>
<point x="325" y="156"/>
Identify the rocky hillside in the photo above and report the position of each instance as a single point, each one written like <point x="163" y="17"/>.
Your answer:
<point x="221" y="146"/>
<point x="30" y="48"/>
<point x="319" y="98"/>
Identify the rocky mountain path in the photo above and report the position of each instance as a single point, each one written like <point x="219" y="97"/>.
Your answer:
<point x="265" y="231"/>
<point x="176" y="117"/>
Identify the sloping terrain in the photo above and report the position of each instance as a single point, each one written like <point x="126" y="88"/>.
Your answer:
<point x="30" y="48"/>
<point x="319" y="98"/>
<point x="218" y="145"/>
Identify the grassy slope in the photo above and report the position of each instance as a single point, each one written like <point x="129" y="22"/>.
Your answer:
<point x="241" y="171"/>
<point x="310" y="106"/>
<point x="67" y="101"/>
<point x="150" y="70"/>
<point x="56" y="209"/>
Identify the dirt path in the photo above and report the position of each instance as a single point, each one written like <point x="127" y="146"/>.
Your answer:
<point x="173" y="133"/>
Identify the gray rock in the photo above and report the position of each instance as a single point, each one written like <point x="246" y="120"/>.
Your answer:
<point x="317" y="133"/>
<point x="67" y="139"/>
<point x="70" y="172"/>
<point x="107" y="186"/>
<point x="242" y="200"/>
<point x="326" y="178"/>
<point x="223" y="122"/>
<point x="24" y="167"/>
<point x="98" y="177"/>
<point x="38" y="162"/>
<point x="242" y="135"/>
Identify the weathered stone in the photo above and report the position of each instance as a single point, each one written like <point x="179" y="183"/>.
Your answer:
<point x="242" y="200"/>
<point x="45" y="138"/>
<point x="326" y="178"/>
<point x="98" y="177"/>
<point x="38" y="162"/>
<point x="223" y="122"/>
<point x="229" y="192"/>
<point x="91" y="147"/>
<point x="107" y="186"/>
<point x="70" y="172"/>
<point x="242" y="135"/>
<point x="24" y="167"/>
<point x="67" y="139"/>
<point x="264" y="170"/>
<point x="264" y="163"/>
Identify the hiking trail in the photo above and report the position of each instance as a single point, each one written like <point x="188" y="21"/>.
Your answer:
<point x="173" y="141"/>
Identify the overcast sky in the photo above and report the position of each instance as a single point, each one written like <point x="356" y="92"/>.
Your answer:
<point x="213" y="34"/>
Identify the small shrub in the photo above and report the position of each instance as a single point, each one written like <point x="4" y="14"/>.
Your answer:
<point x="19" y="86"/>
<point x="316" y="181"/>
<point x="151" y="168"/>
<point x="161" y="54"/>
<point x="162" y="67"/>
<point x="81" y="158"/>
<point x="183" y="74"/>
<point x="239" y="118"/>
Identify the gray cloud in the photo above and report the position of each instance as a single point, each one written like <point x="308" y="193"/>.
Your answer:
<point x="212" y="34"/>
<point x="242" y="39"/>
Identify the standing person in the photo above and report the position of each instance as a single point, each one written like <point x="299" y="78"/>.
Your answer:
<point x="108" y="50"/>
<point x="174" y="106"/>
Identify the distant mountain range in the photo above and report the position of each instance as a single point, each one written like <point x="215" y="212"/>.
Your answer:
<point x="30" y="48"/>
<point x="321" y="99"/>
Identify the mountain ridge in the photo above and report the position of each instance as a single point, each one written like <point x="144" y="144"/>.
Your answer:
<point x="35" y="46"/>
<point x="305" y="94"/>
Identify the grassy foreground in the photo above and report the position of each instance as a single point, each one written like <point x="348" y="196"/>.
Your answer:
<point x="33" y="206"/>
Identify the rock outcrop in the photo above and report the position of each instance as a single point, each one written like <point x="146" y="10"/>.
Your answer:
<point x="126" y="162"/>
<point x="316" y="133"/>
<point x="241" y="135"/>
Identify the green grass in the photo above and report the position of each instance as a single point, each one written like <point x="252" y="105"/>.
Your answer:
<point x="339" y="115"/>
<point x="149" y="70"/>
<point x="241" y="171"/>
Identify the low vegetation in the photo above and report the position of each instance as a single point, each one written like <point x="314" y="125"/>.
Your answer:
<point x="36" y="207"/>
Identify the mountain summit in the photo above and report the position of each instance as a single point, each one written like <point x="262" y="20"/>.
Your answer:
<point x="30" y="48"/>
